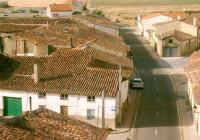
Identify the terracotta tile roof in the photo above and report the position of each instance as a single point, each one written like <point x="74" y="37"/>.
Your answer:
<point x="178" y="35"/>
<point x="60" y="34"/>
<point x="95" y="19"/>
<point x="66" y="71"/>
<point x="151" y="16"/>
<point x="173" y="15"/>
<point x="189" y="20"/>
<point x="60" y="7"/>
<point x="12" y="28"/>
<point x="43" y="124"/>
<point x="193" y="73"/>
<point x="113" y="59"/>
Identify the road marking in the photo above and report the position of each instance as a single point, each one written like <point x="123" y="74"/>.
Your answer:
<point x="156" y="132"/>
<point x="158" y="100"/>
<point x="178" y="110"/>
<point x="135" y="117"/>
<point x="157" y="88"/>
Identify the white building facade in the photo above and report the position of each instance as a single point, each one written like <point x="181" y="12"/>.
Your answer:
<point x="59" y="11"/>
<point x="86" y="108"/>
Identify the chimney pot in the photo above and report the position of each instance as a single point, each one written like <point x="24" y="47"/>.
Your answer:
<point x="36" y="74"/>
<point x="139" y="18"/>
<point x="194" y="21"/>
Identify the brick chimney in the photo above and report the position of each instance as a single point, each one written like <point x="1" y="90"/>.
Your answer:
<point x="36" y="74"/>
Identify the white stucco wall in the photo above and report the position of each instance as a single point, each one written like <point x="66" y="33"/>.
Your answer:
<point x="23" y="95"/>
<point x="77" y="105"/>
<point x="187" y="28"/>
<point x="196" y="112"/>
<point x="147" y="24"/>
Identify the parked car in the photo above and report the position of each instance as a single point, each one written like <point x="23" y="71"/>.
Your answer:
<point x="137" y="83"/>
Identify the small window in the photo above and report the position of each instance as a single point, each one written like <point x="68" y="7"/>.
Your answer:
<point x="42" y="106"/>
<point x="91" y="98"/>
<point x="90" y="114"/>
<point x="170" y="40"/>
<point x="41" y="95"/>
<point x="64" y="110"/>
<point x="63" y="96"/>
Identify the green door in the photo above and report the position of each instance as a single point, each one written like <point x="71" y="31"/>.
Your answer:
<point x="12" y="106"/>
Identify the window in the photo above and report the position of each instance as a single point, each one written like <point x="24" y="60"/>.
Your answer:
<point x="41" y="95"/>
<point x="170" y="40"/>
<point x="64" y="96"/>
<point x="91" y="98"/>
<point x="90" y="114"/>
<point x="42" y="106"/>
<point x="55" y="15"/>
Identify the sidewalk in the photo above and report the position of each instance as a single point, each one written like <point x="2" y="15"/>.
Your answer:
<point x="181" y="85"/>
<point x="122" y="131"/>
<point x="188" y="128"/>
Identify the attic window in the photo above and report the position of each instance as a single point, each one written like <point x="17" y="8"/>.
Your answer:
<point x="41" y="95"/>
<point x="90" y="98"/>
<point x="63" y="96"/>
<point x="170" y="40"/>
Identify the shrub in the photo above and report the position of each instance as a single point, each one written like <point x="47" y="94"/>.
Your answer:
<point x="76" y="12"/>
<point x="84" y="8"/>
<point x="98" y="13"/>
<point x="4" y="5"/>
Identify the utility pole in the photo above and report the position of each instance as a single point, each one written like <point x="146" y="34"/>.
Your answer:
<point x="103" y="109"/>
<point x="119" y="97"/>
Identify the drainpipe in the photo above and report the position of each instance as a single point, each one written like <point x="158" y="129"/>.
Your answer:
<point x="198" y="37"/>
<point x="30" y="104"/>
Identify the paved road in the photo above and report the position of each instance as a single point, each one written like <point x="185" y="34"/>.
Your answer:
<point x="158" y="116"/>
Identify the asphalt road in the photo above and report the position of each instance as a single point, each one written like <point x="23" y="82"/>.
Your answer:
<point x="157" y="117"/>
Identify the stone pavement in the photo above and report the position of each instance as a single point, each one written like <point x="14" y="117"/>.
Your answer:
<point x="122" y="131"/>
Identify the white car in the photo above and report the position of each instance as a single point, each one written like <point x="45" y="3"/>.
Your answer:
<point x="137" y="83"/>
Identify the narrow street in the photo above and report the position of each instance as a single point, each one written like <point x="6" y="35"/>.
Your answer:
<point x="158" y="115"/>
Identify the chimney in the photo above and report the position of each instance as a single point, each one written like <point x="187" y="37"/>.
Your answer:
<point x="195" y="21"/>
<point x="36" y="75"/>
<point x="139" y="18"/>
<point x="178" y="17"/>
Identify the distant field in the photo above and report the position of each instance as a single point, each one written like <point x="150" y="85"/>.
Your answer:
<point x="144" y="2"/>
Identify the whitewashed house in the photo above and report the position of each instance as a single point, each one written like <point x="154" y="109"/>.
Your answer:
<point x="59" y="10"/>
<point x="145" y="23"/>
<point x="65" y="82"/>
<point x="174" y="38"/>
<point x="193" y="73"/>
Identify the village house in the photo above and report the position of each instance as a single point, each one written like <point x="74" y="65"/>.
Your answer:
<point x="193" y="74"/>
<point x="43" y="34"/>
<point x="145" y="23"/>
<point x="73" y="87"/>
<point x="174" y="38"/>
<point x="59" y="10"/>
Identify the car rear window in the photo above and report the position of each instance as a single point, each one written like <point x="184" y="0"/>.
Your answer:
<point x="137" y="81"/>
